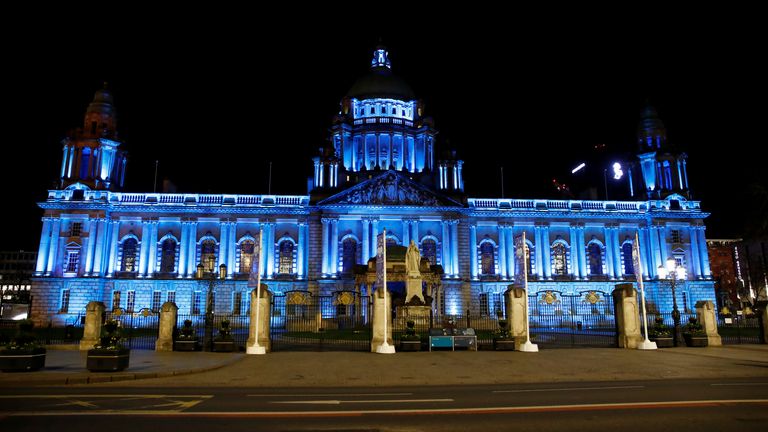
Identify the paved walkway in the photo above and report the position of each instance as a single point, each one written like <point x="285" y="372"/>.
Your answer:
<point x="326" y="369"/>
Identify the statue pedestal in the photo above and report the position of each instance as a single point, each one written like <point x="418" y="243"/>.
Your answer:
<point x="418" y="314"/>
<point x="413" y="287"/>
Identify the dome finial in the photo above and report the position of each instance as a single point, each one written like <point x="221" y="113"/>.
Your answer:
<point x="380" y="57"/>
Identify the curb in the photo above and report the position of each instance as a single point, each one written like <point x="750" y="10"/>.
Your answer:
<point x="104" y="378"/>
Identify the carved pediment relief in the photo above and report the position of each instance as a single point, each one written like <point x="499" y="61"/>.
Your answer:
<point x="390" y="188"/>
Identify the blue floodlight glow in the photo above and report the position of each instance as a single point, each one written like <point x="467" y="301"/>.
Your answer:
<point x="578" y="168"/>
<point x="617" y="171"/>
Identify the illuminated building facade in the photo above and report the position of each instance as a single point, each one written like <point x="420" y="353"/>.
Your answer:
<point x="380" y="171"/>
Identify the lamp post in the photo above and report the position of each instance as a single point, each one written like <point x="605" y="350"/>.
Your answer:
<point x="672" y="272"/>
<point x="211" y="281"/>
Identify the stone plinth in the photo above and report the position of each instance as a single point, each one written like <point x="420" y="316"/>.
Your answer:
<point x="413" y="287"/>
<point x="264" y="304"/>
<point x="168" y="314"/>
<point x="517" y="315"/>
<point x="381" y="312"/>
<point x="94" y="312"/>
<point x="705" y="312"/>
<point x="627" y="316"/>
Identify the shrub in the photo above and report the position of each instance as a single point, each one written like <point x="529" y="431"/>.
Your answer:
<point x="225" y="332"/>
<point x="111" y="336"/>
<point x="503" y="331"/>
<point x="187" y="332"/>
<point x="410" y="332"/>
<point x="659" y="329"/>
<point x="694" y="328"/>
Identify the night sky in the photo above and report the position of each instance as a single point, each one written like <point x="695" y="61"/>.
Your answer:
<point x="216" y="104"/>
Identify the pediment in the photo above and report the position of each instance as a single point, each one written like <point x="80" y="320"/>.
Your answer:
<point x="390" y="188"/>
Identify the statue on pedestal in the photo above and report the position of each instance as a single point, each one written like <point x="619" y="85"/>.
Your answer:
<point x="412" y="260"/>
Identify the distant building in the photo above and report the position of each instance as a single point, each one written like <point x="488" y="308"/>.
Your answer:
<point x="380" y="171"/>
<point x="16" y="268"/>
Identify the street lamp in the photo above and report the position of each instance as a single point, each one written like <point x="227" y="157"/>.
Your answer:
<point x="211" y="281"/>
<point x="672" y="272"/>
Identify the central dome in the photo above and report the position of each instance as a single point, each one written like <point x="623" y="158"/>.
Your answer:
<point x="380" y="82"/>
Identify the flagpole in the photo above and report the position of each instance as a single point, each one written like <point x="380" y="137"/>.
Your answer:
<point x="385" y="347"/>
<point x="527" y="346"/>
<point x="646" y="344"/>
<point x="256" y="348"/>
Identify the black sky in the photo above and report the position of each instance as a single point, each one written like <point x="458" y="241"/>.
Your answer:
<point x="215" y="99"/>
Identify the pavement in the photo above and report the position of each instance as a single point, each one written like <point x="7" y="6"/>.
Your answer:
<point x="360" y="369"/>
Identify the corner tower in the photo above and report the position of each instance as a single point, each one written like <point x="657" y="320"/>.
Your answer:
<point x="91" y="154"/>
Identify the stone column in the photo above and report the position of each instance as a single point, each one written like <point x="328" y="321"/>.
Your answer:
<point x="705" y="312"/>
<point x="663" y="243"/>
<point x="695" y="265"/>
<point x="91" y="247"/>
<point x="53" y="247"/>
<point x="231" y="250"/>
<point x="326" y="249"/>
<point x="301" y="258"/>
<point x="581" y="250"/>
<point x="112" y="247"/>
<point x="183" y="249"/>
<point x="366" y="240"/>
<point x="264" y="304"/>
<point x="223" y="246"/>
<point x="510" y="250"/>
<point x="334" y="247"/>
<point x="270" y="249"/>
<point x="144" y="248"/>
<point x="168" y="313"/>
<point x="374" y="234"/>
<point x="42" y="252"/>
<point x="653" y="232"/>
<point x="446" y="259"/>
<point x="627" y="316"/>
<point x="415" y="224"/>
<point x="192" y="253"/>
<point x="642" y="237"/>
<point x="381" y="311"/>
<point x="406" y="232"/>
<point x="94" y="312"/>
<point x="517" y="315"/>
<point x="546" y="251"/>
<point x="503" y="273"/>
<point x="455" y="247"/>
<point x="263" y="251"/>
<point x="575" y="258"/>
<point x="539" y="251"/>
<point x="152" y="258"/>
<point x="99" y="253"/>
<point x="473" y="251"/>
<point x="706" y="272"/>
<point x="608" y="237"/>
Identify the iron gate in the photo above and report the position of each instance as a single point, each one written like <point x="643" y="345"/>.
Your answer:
<point x="739" y="329"/>
<point x="586" y="319"/>
<point x="139" y="330"/>
<point x="303" y="322"/>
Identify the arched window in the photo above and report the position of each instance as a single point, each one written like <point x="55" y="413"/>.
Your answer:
<point x="429" y="251"/>
<point x="487" y="261"/>
<point x="559" y="259"/>
<point x="629" y="265"/>
<point x="286" y="257"/>
<point x="246" y="256"/>
<point x="129" y="255"/>
<point x="168" y="256"/>
<point x="348" y="255"/>
<point x="595" y="259"/>
<point x="208" y="255"/>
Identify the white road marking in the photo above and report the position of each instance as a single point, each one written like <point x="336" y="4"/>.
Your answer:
<point x="339" y="402"/>
<point x="329" y="394"/>
<point x="567" y="389"/>
<point x="514" y="409"/>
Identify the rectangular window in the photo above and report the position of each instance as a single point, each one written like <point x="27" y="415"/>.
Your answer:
<point x="77" y="228"/>
<point x="156" y="297"/>
<point x="64" y="301"/>
<point x="675" y="234"/>
<point x="196" y="299"/>
<point x="73" y="259"/>
<point x="131" y="304"/>
<point x="116" y="300"/>
<point x="237" y="303"/>
<point x="484" y="307"/>
<point x="171" y="297"/>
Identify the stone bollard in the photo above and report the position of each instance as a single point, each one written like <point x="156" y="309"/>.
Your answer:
<point x="705" y="312"/>
<point x="265" y="310"/>
<point x="94" y="314"/>
<point x="627" y="316"/>
<point x="517" y="315"/>
<point x="381" y="311"/>
<point x="168" y="316"/>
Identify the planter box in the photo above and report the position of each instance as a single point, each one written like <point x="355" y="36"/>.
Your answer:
<point x="663" y="342"/>
<point x="695" y="341"/>
<point x="410" y="345"/>
<point x="107" y="360"/>
<point x="504" y="344"/>
<point x="186" y="345"/>
<point x="23" y="360"/>
<point x="224" y="346"/>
